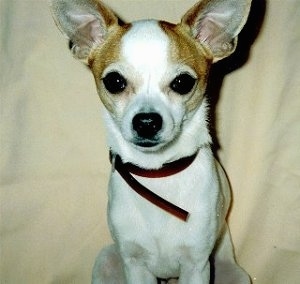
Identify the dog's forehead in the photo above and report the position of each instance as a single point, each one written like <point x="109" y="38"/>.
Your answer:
<point x="153" y="46"/>
<point x="150" y="54"/>
<point x="145" y="46"/>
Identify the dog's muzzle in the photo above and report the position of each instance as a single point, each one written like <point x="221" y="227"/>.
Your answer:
<point x="147" y="126"/>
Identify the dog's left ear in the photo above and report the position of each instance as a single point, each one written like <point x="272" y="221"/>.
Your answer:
<point x="85" y="23"/>
<point x="216" y="24"/>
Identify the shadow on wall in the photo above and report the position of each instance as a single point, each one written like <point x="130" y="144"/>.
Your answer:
<point x="219" y="70"/>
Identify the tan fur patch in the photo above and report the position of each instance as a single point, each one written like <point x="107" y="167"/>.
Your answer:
<point x="191" y="16"/>
<point x="104" y="55"/>
<point x="184" y="49"/>
<point x="109" y="17"/>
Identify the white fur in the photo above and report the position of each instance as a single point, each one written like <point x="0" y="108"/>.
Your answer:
<point x="156" y="237"/>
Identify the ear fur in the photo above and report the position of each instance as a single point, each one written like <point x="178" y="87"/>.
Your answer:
<point x="216" y="24"/>
<point x="84" y="22"/>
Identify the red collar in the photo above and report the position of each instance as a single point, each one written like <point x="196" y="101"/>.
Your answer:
<point x="125" y="170"/>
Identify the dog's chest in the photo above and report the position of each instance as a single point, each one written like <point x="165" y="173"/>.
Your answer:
<point x="148" y="233"/>
<point x="194" y="189"/>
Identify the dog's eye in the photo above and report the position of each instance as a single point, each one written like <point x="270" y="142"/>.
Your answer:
<point x="114" y="82"/>
<point x="183" y="84"/>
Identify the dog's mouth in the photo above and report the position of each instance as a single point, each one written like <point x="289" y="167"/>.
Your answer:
<point x="147" y="144"/>
<point x="153" y="145"/>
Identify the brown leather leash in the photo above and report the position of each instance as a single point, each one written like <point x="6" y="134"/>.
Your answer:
<point x="125" y="170"/>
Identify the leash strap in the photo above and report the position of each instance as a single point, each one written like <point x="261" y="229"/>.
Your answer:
<point x="165" y="171"/>
<point x="146" y="193"/>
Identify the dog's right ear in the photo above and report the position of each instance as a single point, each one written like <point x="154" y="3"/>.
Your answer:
<point x="84" y="22"/>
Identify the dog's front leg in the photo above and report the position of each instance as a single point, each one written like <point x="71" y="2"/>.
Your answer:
<point x="194" y="273"/>
<point x="137" y="272"/>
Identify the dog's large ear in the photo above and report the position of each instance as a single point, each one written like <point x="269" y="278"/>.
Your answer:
<point x="216" y="24"/>
<point x="84" y="22"/>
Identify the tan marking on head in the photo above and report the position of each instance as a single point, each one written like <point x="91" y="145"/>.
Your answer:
<point x="108" y="15"/>
<point x="104" y="55"/>
<point x="185" y="50"/>
<point x="191" y="16"/>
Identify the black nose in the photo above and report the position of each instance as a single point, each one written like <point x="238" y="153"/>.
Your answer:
<point x="147" y="125"/>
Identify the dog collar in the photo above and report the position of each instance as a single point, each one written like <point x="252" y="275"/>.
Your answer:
<point x="127" y="169"/>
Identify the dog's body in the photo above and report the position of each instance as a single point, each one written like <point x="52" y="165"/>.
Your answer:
<point x="151" y="76"/>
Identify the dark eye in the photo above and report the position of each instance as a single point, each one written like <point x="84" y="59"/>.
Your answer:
<point x="114" y="82"/>
<point x="183" y="84"/>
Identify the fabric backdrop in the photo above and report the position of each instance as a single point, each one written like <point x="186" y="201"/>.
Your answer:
<point x="54" y="159"/>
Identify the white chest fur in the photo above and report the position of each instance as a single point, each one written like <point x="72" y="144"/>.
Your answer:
<point x="147" y="234"/>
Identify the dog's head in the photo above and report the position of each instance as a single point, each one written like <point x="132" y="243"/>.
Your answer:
<point x="151" y="75"/>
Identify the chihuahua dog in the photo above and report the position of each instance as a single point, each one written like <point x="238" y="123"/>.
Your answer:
<point x="168" y="196"/>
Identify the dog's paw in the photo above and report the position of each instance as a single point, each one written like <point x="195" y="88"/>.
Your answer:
<point x="107" y="268"/>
